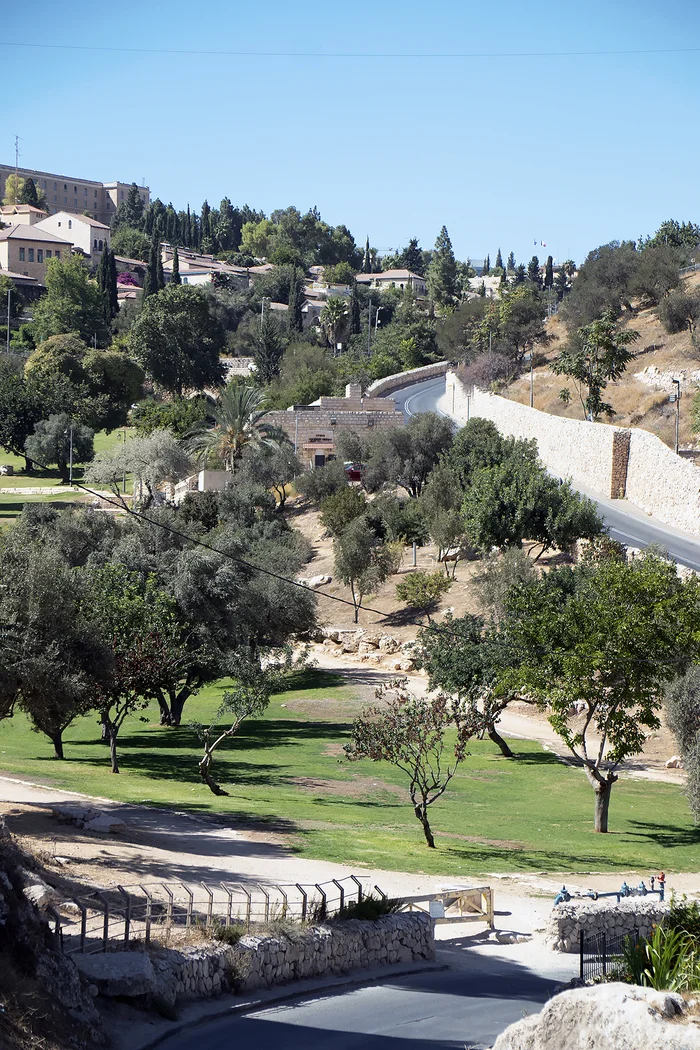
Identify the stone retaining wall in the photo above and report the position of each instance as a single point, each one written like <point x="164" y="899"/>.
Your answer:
<point x="606" y="916"/>
<point x="657" y="481"/>
<point x="260" y="962"/>
<point x="380" y="387"/>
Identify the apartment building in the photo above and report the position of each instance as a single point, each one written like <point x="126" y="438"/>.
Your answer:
<point x="26" y="249"/>
<point x="99" y="200"/>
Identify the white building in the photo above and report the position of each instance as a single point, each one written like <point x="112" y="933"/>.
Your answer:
<point x="91" y="236"/>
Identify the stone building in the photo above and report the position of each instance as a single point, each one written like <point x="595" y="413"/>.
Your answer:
<point x="312" y="428"/>
<point x="99" y="200"/>
<point x="26" y="250"/>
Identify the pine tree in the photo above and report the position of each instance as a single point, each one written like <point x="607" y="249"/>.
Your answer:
<point x="175" y="278"/>
<point x="511" y="262"/>
<point x="533" y="271"/>
<point x="549" y="273"/>
<point x="499" y="260"/>
<point x="29" y="194"/>
<point x="442" y="274"/>
<point x="411" y="258"/>
<point x="133" y="207"/>
<point x="561" y="284"/>
<point x="367" y="261"/>
<point x="520" y="274"/>
<point x="487" y="266"/>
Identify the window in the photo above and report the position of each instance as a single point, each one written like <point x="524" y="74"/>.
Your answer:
<point x="58" y="254"/>
<point x="55" y="185"/>
<point x="40" y="255"/>
<point x="100" y="248"/>
<point x="95" y="192"/>
<point x="65" y="200"/>
<point x="55" y="199"/>
<point x="30" y="255"/>
<point x="48" y="253"/>
<point x="70" y="224"/>
<point x="75" y="189"/>
<point x="44" y="183"/>
<point x="94" y="243"/>
<point x="21" y="255"/>
<point x="64" y="186"/>
<point x="59" y="222"/>
<point x="86" y="191"/>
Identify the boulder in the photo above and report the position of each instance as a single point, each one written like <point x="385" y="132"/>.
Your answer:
<point x="389" y="644"/>
<point x="674" y="763"/>
<point x="618" y="1016"/>
<point x="314" y="582"/>
<point x="125" y="974"/>
<point x="35" y="889"/>
<point x="105" y="824"/>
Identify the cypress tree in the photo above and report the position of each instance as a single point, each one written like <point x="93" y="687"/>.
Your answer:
<point x="188" y="228"/>
<point x="151" y="283"/>
<point x="295" y="301"/>
<point x="511" y="261"/>
<point x="487" y="266"/>
<point x="549" y="273"/>
<point x="355" y="323"/>
<point x="533" y="271"/>
<point x="103" y="284"/>
<point x="367" y="262"/>
<point x="442" y="274"/>
<point x="499" y="260"/>
<point x="29" y="194"/>
<point x="113" y="297"/>
<point x="175" y="278"/>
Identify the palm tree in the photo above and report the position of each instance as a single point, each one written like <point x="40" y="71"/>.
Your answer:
<point x="238" y="417"/>
<point x="334" y="317"/>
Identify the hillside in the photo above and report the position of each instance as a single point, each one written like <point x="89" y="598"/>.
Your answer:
<point x="640" y="398"/>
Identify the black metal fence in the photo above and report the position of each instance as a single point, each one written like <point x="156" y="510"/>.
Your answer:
<point x="602" y="953"/>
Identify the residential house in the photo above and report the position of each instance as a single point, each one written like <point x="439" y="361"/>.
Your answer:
<point x="27" y="249"/>
<point x="394" y="279"/>
<point x="22" y="214"/>
<point x="91" y="236"/>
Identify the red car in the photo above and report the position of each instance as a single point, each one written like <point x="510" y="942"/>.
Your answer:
<point x="354" y="471"/>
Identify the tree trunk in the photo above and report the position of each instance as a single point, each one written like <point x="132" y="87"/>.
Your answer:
<point x="204" y="769"/>
<point x="110" y="731"/>
<point x="28" y="464"/>
<point x="57" y="741"/>
<point x="422" y="814"/>
<point x="602" y="804"/>
<point x="177" y="702"/>
<point x="498" y="740"/>
<point x="165" y="716"/>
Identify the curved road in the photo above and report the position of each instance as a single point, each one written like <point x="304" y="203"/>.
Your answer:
<point x="630" y="525"/>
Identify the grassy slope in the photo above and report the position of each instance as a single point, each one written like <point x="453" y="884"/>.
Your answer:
<point x="636" y="403"/>
<point x="288" y="771"/>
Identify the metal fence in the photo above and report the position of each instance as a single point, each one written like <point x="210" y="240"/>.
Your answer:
<point x="155" y="911"/>
<point x="601" y="954"/>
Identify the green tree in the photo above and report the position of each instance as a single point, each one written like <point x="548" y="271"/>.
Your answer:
<point x="239" y="421"/>
<point x="411" y="735"/>
<point x="411" y="258"/>
<point x="322" y="482"/>
<point x="295" y="302"/>
<point x="52" y="439"/>
<point x="683" y="718"/>
<point x="179" y="415"/>
<point x="405" y="455"/>
<point x="596" y="355"/>
<point x="487" y="266"/>
<point x="131" y="244"/>
<point x="442" y="273"/>
<point x="13" y="190"/>
<point x="679" y="311"/>
<point x="511" y="262"/>
<point x="273" y="465"/>
<point x="362" y="561"/>
<point x="177" y="341"/>
<point x="367" y="258"/>
<point x="609" y="635"/>
<point x="499" y="260"/>
<point x="33" y="195"/>
<point x="269" y="349"/>
<point x="334" y="319"/>
<point x="257" y="238"/>
<point x="152" y="459"/>
<point x="533" y="272"/>
<point x="175" y="276"/>
<point x="130" y="211"/>
<point x="72" y="303"/>
<point x="549" y="273"/>
<point x="107" y="283"/>
<point x="153" y="281"/>
<point x="340" y="508"/>
<point x="562" y="284"/>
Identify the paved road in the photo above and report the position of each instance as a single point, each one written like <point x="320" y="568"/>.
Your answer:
<point x="625" y="522"/>
<point x="465" y="1006"/>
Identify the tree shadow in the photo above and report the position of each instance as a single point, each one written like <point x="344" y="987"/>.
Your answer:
<point x="666" y="835"/>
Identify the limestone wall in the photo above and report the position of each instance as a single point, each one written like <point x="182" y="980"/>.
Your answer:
<point x="380" y="387"/>
<point x="657" y="481"/>
<point x="602" y="916"/>
<point x="260" y="962"/>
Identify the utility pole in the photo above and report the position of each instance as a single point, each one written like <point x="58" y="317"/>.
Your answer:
<point x="532" y="388"/>
<point x="70" y="461"/>
<point x="677" y="398"/>
<point x="369" y="330"/>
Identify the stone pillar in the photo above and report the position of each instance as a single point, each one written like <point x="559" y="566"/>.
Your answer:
<point x="620" y="462"/>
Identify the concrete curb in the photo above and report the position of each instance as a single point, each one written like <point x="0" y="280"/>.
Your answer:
<point x="272" y="997"/>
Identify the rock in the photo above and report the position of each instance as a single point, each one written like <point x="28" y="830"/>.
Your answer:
<point x="314" y="582"/>
<point x="105" y="824"/>
<point x="388" y="644"/>
<point x="118" y="973"/>
<point x="619" y="1016"/>
<point x="36" y="890"/>
<point x="407" y="665"/>
<point x="674" y="763"/>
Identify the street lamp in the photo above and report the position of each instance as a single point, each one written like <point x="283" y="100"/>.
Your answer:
<point x="676" y="398"/>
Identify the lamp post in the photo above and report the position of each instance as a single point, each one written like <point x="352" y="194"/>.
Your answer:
<point x="676" y="398"/>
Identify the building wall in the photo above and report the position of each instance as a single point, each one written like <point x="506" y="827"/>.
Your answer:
<point x="657" y="481"/>
<point x="65" y="193"/>
<point x="80" y="233"/>
<point x="313" y="430"/>
<point x="11" y="250"/>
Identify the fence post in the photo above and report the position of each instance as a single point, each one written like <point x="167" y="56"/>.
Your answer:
<point x="266" y="895"/>
<point x="359" y="888"/>
<point x="302" y="891"/>
<point x="105" y="928"/>
<point x="247" y="908"/>
<point x="381" y="893"/>
<point x="605" y="958"/>
<point x="127" y="912"/>
<point x="285" y="902"/>
<point x="169" y="912"/>
<point x="229" y="907"/>
<point x="149" y="900"/>
<point x="581" y="936"/>
<point x="190" y="904"/>
<point x="341" y="893"/>
<point x="323" y="901"/>
<point x="83" y="923"/>
<point x="210" y="905"/>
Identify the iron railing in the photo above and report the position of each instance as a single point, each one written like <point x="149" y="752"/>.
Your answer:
<point x="601" y="954"/>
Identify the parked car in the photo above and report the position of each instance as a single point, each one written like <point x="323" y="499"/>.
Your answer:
<point x="354" y="471"/>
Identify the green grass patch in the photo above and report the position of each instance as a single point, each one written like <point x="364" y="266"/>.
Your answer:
<point x="45" y="478"/>
<point x="11" y="506"/>
<point x="287" y="771"/>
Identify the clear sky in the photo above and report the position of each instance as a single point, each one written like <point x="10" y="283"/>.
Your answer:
<point x="363" y="110"/>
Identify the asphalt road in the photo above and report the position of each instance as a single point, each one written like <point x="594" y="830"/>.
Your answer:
<point x="466" y="1006"/>
<point x="625" y="522"/>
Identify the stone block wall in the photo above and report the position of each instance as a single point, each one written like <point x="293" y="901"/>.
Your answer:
<point x="620" y="463"/>
<point x="260" y="962"/>
<point x="602" y="916"/>
<point x="657" y="481"/>
<point x="381" y="387"/>
<point x="314" y="428"/>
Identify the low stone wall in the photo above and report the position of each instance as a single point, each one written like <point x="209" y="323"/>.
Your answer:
<point x="656" y="480"/>
<point x="606" y="916"/>
<point x="381" y="387"/>
<point x="172" y="975"/>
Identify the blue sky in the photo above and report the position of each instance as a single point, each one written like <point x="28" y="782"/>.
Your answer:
<point x="574" y="150"/>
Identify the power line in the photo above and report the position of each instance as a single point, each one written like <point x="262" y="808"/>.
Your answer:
<point x="383" y="55"/>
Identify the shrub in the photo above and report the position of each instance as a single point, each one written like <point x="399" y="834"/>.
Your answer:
<point x="229" y="934"/>
<point x="318" y="484"/>
<point x="369" y="909"/>
<point x="423" y="590"/>
<point x="342" y="507"/>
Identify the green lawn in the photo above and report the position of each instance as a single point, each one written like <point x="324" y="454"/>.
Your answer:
<point x="11" y="506"/>
<point x="287" y="770"/>
<point x="41" y="478"/>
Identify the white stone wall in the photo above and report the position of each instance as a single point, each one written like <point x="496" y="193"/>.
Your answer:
<point x="658" y="482"/>
<point x="380" y="387"/>
<point x="602" y="916"/>
<point x="260" y="962"/>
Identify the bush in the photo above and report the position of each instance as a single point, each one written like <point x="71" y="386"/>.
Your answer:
<point x="342" y="507"/>
<point x="229" y="934"/>
<point x="398" y="520"/>
<point x="318" y="484"/>
<point x="369" y="909"/>
<point x="423" y="590"/>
